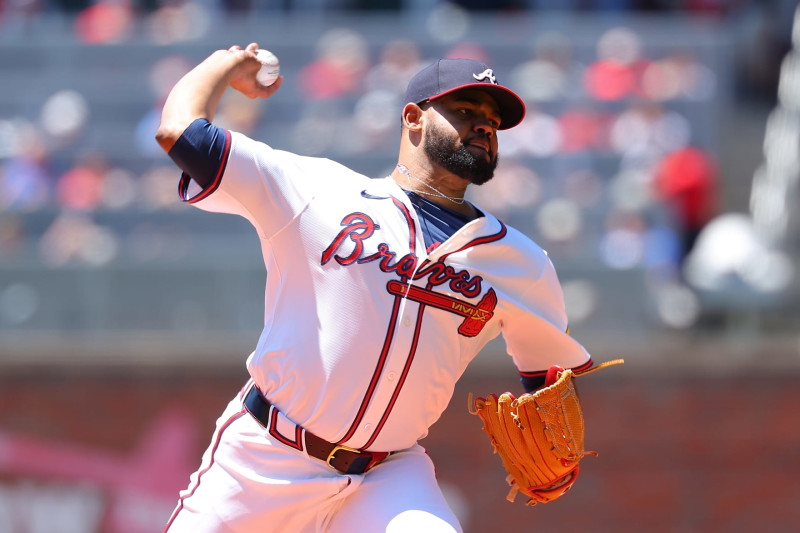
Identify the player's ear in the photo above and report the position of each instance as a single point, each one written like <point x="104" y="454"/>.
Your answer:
<point x="412" y="117"/>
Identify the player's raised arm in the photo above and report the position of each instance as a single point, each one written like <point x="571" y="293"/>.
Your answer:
<point x="198" y="93"/>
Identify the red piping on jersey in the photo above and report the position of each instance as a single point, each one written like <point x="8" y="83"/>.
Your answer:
<point x="401" y="381"/>
<point x="481" y="240"/>
<point x="412" y="228"/>
<point x="217" y="179"/>
<point x="412" y="243"/>
<point x="225" y="426"/>
<point x="378" y="370"/>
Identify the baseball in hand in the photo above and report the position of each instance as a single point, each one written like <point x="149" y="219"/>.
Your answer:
<point x="270" y="67"/>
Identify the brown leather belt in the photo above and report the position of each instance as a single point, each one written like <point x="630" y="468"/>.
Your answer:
<point x="345" y="460"/>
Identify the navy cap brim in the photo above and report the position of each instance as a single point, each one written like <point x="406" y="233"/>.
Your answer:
<point x="512" y="108"/>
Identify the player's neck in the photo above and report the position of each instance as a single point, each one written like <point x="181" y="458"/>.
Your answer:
<point x="437" y="191"/>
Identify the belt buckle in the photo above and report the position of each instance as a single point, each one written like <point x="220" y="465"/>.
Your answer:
<point x="338" y="448"/>
<point x="357" y="466"/>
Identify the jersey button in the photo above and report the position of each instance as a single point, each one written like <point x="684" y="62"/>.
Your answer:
<point x="367" y="427"/>
<point x="390" y="376"/>
<point x="406" y="321"/>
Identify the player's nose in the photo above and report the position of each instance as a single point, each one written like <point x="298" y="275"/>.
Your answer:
<point x="484" y="125"/>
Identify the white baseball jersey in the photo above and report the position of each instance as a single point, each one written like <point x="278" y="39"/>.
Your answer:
<point x="365" y="333"/>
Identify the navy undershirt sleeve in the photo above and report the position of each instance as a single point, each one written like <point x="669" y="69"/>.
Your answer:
<point x="532" y="383"/>
<point x="201" y="151"/>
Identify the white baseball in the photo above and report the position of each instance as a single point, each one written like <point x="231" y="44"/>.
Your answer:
<point x="270" y="67"/>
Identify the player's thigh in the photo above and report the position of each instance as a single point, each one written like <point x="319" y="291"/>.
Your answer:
<point x="398" y="496"/>
<point x="248" y="482"/>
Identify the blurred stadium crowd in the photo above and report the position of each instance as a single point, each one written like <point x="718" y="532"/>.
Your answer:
<point x="616" y="170"/>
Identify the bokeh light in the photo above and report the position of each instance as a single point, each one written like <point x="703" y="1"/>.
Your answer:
<point x="64" y="115"/>
<point x="559" y="220"/>
<point x="448" y="22"/>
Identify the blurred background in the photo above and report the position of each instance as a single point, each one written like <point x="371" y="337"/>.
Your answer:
<point x="658" y="165"/>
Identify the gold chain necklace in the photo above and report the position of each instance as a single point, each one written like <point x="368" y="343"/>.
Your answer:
<point x="436" y="192"/>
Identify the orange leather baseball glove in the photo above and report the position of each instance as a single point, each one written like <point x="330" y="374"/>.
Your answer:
<point x="538" y="436"/>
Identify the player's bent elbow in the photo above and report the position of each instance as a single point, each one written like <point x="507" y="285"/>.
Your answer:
<point x="166" y="136"/>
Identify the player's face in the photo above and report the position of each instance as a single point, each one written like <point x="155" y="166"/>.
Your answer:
<point x="465" y="143"/>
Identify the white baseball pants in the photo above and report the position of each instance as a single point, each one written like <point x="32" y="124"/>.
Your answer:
<point x="249" y="482"/>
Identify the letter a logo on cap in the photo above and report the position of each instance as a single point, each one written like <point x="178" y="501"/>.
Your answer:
<point x="486" y="74"/>
<point x="445" y="76"/>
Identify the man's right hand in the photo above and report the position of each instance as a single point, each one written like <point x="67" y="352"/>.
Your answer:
<point x="244" y="78"/>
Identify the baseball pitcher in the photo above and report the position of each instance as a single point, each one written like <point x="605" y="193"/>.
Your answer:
<point x="379" y="292"/>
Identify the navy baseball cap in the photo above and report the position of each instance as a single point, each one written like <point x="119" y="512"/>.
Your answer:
<point x="448" y="75"/>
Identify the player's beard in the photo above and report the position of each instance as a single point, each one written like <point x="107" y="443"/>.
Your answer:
<point x="451" y="154"/>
